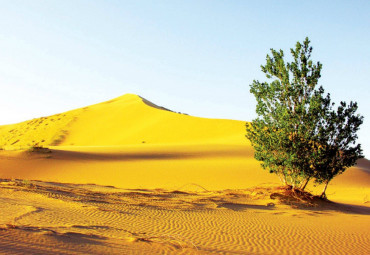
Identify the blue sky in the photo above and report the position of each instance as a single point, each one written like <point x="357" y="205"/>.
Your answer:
<point x="197" y="57"/>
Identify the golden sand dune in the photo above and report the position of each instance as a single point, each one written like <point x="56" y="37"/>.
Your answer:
<point x="129" y="119"/>
<point x="137" y="143"/>
<point x="161" y="182"/>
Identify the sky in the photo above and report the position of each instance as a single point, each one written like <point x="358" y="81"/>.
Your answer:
<point x="196" y="57"/>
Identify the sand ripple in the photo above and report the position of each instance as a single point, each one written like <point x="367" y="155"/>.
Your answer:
<point x="72" y="219"/>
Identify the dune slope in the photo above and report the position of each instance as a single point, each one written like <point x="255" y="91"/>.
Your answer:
<point x="128" y="119"/>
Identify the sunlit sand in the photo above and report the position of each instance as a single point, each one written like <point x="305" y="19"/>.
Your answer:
<point x="130" y="177"/>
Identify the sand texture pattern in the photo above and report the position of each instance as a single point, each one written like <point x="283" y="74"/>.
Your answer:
<point x="80" y="219"/>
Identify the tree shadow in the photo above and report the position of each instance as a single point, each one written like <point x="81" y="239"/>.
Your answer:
<point x="315" y="204"/>
<point x="346" y="208"/>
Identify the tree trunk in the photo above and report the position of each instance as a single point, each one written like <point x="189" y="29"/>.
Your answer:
<point x="294" y="185"/>
<point x="305" y="184"/>
<point x="323" y="194"/>
<point x="283" y="179"/>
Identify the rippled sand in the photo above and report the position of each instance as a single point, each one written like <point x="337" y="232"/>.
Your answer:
<point x="40" y="217"/>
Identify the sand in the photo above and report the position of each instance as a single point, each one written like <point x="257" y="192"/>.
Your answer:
<point x="130" y="177"/>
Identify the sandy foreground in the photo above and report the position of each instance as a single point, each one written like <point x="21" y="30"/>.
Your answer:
<point x="44" y="217"/>
<point x="129" y="177"/>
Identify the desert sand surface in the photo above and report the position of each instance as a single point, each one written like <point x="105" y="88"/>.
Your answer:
<point x="129" y="177"/>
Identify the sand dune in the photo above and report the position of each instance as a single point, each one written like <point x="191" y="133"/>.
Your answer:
<point x="128" y="176"/>
<point x="125" y="120"/>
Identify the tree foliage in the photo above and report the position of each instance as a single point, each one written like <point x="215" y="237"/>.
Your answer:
<point x="298" y="134"/>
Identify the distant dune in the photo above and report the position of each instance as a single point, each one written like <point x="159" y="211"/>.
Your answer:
<point x="128" y="119"/>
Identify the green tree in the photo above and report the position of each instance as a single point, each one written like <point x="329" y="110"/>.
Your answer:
<point x="297" y="134"/>
<point x="337" y="138"/>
